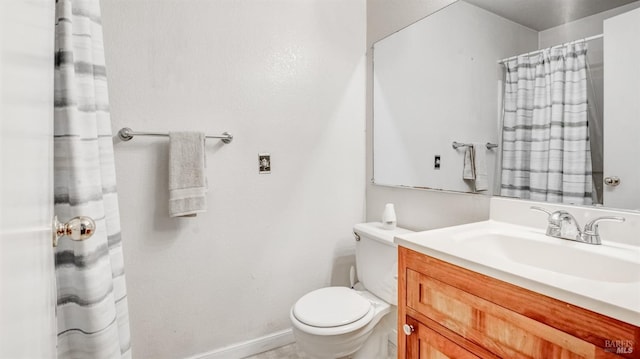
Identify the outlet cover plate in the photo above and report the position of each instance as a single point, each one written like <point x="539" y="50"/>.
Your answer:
<point x="264" y="163"/>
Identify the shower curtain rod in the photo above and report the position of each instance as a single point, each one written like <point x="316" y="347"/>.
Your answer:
<point x="594" y="37"/>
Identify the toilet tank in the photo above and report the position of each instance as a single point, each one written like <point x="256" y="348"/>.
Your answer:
<point x="377" y="260"/>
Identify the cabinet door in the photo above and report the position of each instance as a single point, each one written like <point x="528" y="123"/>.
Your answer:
<point x="424" y="343"/>
<point x="501" y="331"/>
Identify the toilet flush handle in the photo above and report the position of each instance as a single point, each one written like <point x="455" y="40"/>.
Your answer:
<point x="407" y="329"/>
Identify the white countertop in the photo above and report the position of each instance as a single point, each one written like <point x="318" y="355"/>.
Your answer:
<point x="602" y="278"/>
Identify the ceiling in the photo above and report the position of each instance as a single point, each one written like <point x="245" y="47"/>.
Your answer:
<point x="544" y="14"/>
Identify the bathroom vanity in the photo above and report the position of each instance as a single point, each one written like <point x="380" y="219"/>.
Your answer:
<point x="500" y="290"/>
<point x="458" y="313"/>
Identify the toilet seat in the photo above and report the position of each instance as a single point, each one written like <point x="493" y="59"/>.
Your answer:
<point x="331" y="307"/>
<point x="373" y="305"/>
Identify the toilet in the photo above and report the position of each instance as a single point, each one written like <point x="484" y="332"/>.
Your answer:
<point x="341" y="322"/>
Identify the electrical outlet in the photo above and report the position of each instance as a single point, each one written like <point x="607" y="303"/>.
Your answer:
<point x="264" y="163"/>
<point x="436" y="162"/>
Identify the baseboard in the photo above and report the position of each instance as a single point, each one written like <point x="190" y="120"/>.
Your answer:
<point x="250" y="347"/>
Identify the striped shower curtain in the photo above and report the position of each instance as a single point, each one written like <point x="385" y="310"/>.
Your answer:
<point x="546" y="153"/>
<point x="92" y="314"/>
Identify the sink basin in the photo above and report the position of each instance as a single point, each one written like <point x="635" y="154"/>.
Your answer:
<point x="603" y="278"/>
<point x="600" y="263"/>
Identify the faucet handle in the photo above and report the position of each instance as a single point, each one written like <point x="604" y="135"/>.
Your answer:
<point x="553" y="224"/>
<point x="591" y="235"/>
<point x="555" y="218"/>
<point x="536" y="208"/>
<point x="592" y="227"/>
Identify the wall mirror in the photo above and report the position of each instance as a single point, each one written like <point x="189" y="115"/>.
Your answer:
<point x="457" y="76"/>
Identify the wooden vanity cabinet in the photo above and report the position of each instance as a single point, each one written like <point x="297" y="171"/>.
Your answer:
<point x="452" y="312"/>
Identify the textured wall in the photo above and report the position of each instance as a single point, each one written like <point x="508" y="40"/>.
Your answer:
<point x="285" y="77"/>
<point x="27" y="281"/>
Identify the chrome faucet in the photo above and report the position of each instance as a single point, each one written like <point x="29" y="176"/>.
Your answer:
<point x="563" y="225"/>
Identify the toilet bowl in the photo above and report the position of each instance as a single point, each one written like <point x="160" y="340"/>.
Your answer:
<point x="338" y="322"/>
<point x="335" y="322"/>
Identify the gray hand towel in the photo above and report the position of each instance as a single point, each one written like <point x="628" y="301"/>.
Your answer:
<point x="469" y="168"/>
<point x="187" y="176"/>
<point x="475" y="166"/>
<point x="480" y="166"/>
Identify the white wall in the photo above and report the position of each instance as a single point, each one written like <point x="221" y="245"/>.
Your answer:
<point x="435" y="82"/>
<point x="581" y="28"/>
<point x="27" y="280"/>
<point x="416" y="209"/>
<point x="285" y="77"/>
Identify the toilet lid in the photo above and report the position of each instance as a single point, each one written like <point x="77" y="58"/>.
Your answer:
<point x="331" y="307"/>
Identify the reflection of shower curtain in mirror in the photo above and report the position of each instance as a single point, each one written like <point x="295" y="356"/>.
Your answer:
<point x="546" y="153"/>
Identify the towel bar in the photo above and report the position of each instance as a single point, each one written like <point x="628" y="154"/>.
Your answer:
<point x="457" y="145"/>
<point x="126" y="134"/>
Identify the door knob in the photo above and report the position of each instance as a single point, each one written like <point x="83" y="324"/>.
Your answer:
<point x="78" y="229"/>
<point x="612" y="181"/>
<point x="407" y="329"/>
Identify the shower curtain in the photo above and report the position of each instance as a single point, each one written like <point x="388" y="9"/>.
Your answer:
<point x="546" y="153"/>
<point x="92" y="314"/>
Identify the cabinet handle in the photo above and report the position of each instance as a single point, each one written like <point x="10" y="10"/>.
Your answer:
<point x="407" y="329"/>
